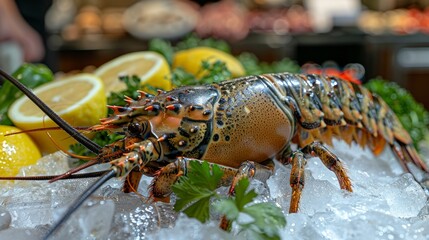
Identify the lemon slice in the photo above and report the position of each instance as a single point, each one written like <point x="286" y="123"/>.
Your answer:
<point x="151" y="67"/>
<point x="191" y="59"/>
<point x="16" y="151"/>
<point x="78" y="99"/>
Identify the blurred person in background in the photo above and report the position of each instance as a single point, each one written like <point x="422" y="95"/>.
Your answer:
<point x="23" y="22"/>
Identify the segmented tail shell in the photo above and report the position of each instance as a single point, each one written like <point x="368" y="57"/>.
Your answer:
<point x="350" y="112"/>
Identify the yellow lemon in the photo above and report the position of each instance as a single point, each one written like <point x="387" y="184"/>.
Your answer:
<point x="79" y="99"/>
<point x="16" y="151"/>
<point x="151" y="67"/>
<point x="191" y="59"/>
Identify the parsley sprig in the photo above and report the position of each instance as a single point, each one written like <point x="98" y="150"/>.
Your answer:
<point x="196" y="190"/>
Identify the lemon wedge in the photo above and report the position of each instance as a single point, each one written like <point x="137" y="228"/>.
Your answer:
<point x="16" y="151"/>
<point x="191" y="59"/>
<point x="79" y="99"/>
<point x="151" y="67"/>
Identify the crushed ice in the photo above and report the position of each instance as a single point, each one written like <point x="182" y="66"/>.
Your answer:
<point x="385" y="204"/>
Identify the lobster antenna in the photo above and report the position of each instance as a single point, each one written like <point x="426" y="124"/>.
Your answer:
<point x="50" y="177"/>
<point x="92" y="146"/>
<point x="79" y="201"/>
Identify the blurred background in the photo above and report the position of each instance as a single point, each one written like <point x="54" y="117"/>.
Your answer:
<point x="388" y="37"/>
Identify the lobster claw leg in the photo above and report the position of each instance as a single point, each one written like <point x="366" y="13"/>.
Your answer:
<point x="331" y="161"/>
<point x="297" y="179"/>
<point x="297" y="175"/>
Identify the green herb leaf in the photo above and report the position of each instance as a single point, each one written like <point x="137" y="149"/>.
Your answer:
<point x="241" y="197"/>
<point x="228" y="208"/>
<point x="254" y="67"/>
<point x="102" y="138"/>
<point x="267" y="219"/>
<point x="205" y="177"/>
<point x="195" y="190"/>
<point x="193" y="201"/>
<point x="180" y="77"/>
<point x="32" y="76"/>
<point x="193" y="41"/>
<point x="133" y="85"/>
<point x="162" y="47"/>
<point x="213" y="73"/>
<point x="216" y="72"/>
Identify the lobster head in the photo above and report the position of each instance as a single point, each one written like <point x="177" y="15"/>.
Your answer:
<point x="177" y="123"/>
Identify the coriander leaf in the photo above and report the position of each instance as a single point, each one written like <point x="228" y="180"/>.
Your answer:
<point x="267" y="218"/>
<point x="162" y="47"/>
<point x="180" y="77"/>
<point x="102" y="138"/>
<point x="253" y="66"/>
<point x="199" y="209"/>
<point x="241" y="197"/>
<point x="133" y="85"/>
<point x="214" y="72"/>
<point x="203" y="177"/>
<point x="193" y="199"/>
<point x="195" y="190"/>
<point x="228" y="207"/>
<point x="193" y="41"/>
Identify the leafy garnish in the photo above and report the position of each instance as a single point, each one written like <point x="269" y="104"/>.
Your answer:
<point x="133" y="85"/>
<point x="162" y="47"/>
<point x="193" y="41"/>
<point x="101" y="138"/>
<point x="32" y="76"/>
<point x="195" y="191"/>
<point x="413" y="116"/>
<point x="213" y="73"/>
<point x="266" y="217"/>
<point x="253" y="66"/>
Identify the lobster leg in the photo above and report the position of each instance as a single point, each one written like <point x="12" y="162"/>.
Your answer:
<point x="297" y="179"/>
<point x="252" y="170"/>
<point x="132" y="181"/>
<point x="331" y="161"/>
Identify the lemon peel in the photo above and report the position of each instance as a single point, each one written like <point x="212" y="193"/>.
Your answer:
<point x="16" y="151"/>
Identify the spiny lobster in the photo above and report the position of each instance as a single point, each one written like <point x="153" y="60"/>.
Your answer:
<point x="242" y="125"/>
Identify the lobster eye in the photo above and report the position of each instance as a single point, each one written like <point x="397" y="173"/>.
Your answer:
<point x="134" y="128"/>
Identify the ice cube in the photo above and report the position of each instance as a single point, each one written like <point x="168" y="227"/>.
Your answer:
<point x="300" y="226"/>
<point x="135" y="217"/>
<point x="91" y="221"/>
<point x="5" y="218"/>
<point x="21" y="233"/>
<point x="191" y="229"/>
<point x="404" y="196"/>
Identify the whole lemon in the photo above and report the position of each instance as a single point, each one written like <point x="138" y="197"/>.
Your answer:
<point x="191" y="60"/>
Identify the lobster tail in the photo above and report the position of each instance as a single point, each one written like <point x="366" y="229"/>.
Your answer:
<point x="329" y="107"/>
